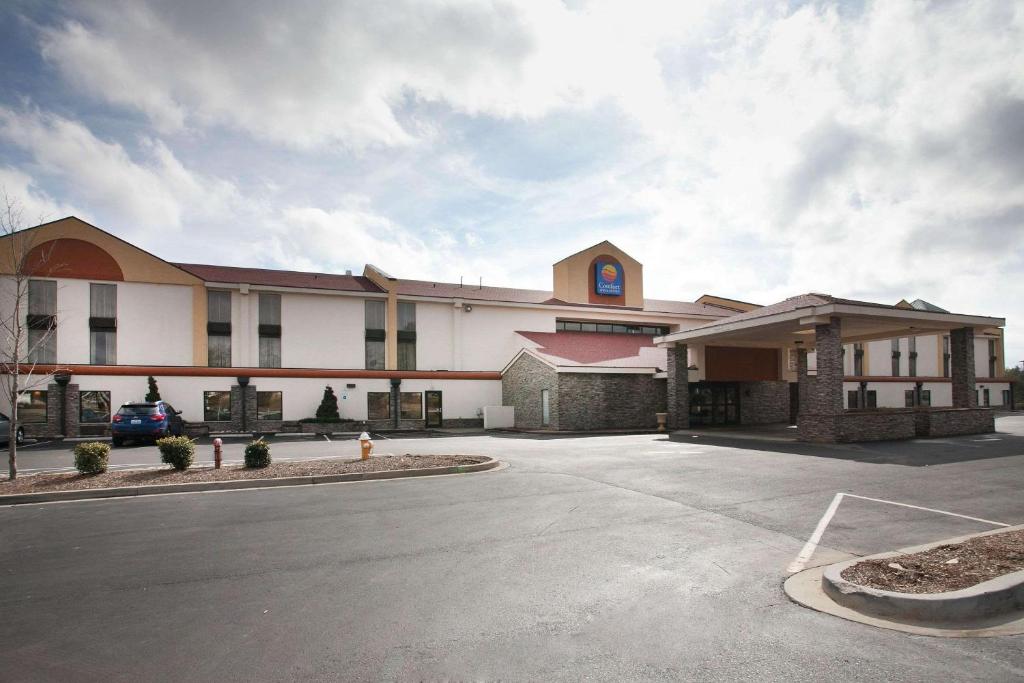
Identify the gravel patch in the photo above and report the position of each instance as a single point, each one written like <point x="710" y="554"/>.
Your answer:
<point x="69" y="481"/>
<point x="944" y="568"/>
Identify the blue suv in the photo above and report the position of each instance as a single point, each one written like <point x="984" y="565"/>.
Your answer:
<point x="143" y="421"/>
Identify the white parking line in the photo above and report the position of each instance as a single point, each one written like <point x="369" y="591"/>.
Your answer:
<point x="812" y="543"/>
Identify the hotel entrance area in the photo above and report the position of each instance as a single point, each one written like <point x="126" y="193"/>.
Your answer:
<point x="714" y="403"/>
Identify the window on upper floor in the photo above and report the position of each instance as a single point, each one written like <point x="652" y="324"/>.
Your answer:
<point x="270" y="330"/>
<point x="218" y="328"/>
<point x="102" y="324"/>
<point x="895" y="357"/>
<point x="42" y="321"/>
<point x="945" y="355"/>
<point x="614" y="328"/>
<point x="406" y="335"/>
<point x="912" y="356"/>
<point x="858" y="359"/>
<point x="992" y="357"/>
<point x="376" y="334"/>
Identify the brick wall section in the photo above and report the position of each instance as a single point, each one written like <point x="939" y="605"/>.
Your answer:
<point x="54" y="402"/>
<point x="678" y="388"/>
<point x="866" y="425"/>
<point x="237" y="423"/>
<point x="961" y="367"/>
<point x="591" y="401"/>
<point x="764" y="402"/>
<point x="71" y="411"/>
<point x="804" y="381"/>
<point x="521" y="386"/>
<point x="937" y="422"/>
<point x="826" y="397"/>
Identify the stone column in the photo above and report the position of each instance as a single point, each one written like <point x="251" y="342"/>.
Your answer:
<point x="827" y="397"/>
<point x="54" y="410"/>
<point x="961" y="367"/>
<point x="678" y="387"/>
<point x="396" y="403"/>
<point x="72" y="411"/>
<point x="803" y="382"/>
<point x="243" y="408"/>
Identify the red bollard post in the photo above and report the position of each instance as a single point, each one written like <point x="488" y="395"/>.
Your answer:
<point x="216" y="453"/>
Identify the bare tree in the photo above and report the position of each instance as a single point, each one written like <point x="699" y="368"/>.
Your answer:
<point x="25" y="337"/>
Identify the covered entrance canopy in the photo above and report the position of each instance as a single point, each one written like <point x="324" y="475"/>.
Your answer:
<point x="823" y="323"/>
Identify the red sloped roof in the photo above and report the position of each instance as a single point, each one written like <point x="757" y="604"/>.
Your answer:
<point x="281" y="278"/>
<point x="598" y="349"/>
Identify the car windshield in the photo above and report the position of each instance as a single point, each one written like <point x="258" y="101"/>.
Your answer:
<point x="131" y="410"/>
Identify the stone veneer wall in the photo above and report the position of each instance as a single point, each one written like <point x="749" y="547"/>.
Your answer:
<point x="592" y="401"/>
<point x="764" y="402"/>
<point x="677" y="389"/>
<point x="882" y="424"/>
<point x="521" y="386"/>
<point x="933" y="422"/>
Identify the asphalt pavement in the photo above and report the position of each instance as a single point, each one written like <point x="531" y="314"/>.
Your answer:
<point x="604" y="557"/>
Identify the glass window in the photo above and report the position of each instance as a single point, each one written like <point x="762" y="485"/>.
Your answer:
<point x="217" y="406"/>
<point x="992" y="358"/>
<point x="1006" y="397"/>
<point x="42" y="346"/>
<point x="945" y="356"/>
<point x="42" y="297"/>
<point x="908" y="398"/>
<point x="872" y="398"/>
<point x="378" y="405"/>
<point x="102" y="301"/>
<point x="42" y="339"/>
<point x="270" y="308"/>
<point x="268" y="405"/>
<point x="374" y="355"/>
<point x="926" y="397"/>
<point x="270" y="352"/>
<point x="376" y="315"/>
<point x="32" y="407"/>
<point x="219" y="350"/>
<point x="95" y="407"/>
<point x="412" y="405"/>
<point x="588" y="327"/>
<point x="573" y="327"/>
<point x="603" y="327"/>
<point x="895" y="357"/>
<point x="853" y="399"/>
<point x="103" y="347"/>
<point x="218" y="306"/>
<point x="406" y="316"/>
<point x="912" y="356"/>
<point x="620" y="329"/>
<point x="406" y="355"/>
<point x="985" y="395"/>
<point x="858" y="360"/>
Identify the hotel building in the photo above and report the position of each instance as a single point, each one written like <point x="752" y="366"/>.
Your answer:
<point x="251" y="350"/>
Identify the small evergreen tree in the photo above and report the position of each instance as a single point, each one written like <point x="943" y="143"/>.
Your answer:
<point x="328" y="409"/>
<point x="153" y="395"/>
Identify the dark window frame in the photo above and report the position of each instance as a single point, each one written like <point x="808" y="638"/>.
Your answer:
<point x="206" y="407"/>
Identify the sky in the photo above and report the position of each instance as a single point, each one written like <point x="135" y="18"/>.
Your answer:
<point x="753" y="150"/>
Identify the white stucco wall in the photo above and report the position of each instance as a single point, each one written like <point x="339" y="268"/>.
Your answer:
<point x="488" y="339"/>
<point x="435" y="335"/>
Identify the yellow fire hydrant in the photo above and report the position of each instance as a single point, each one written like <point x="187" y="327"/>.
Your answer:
<point x="365" y="445"/>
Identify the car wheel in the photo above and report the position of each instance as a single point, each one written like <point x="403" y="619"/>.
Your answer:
<point x="19" y="436"/>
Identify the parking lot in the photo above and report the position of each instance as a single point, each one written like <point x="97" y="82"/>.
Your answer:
<point x="605" y="557"/>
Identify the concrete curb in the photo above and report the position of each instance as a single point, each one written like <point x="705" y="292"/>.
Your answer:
<point x="233" y="484"/>
<point x="997" y="597"/>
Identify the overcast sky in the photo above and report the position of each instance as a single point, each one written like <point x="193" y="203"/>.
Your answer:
<point x="751" y="150"/>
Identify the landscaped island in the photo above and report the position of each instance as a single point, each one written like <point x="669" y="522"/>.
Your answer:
<point x="944" y="568"/>
<point x="70" y="481"/>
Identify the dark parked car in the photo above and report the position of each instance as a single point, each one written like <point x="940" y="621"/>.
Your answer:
<point x="145" y="421"/>
<point x="5" y="431"/>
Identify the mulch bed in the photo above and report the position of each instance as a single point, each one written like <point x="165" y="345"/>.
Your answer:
<point x="943" y="568"/>
<point x="67" y="481"/>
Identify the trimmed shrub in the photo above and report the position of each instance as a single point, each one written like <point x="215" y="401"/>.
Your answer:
<point x="257" y="454"/>
<point x="177" y="451"/>
<point x="153" y="395"/>
<point x="328" y="408"/>
<point x="91" y="457"/>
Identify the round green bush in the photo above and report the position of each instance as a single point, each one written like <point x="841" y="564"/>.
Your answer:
<point x="257" y="454"/>
<point x="91" y="457"/>
<point x="177" y="451"/>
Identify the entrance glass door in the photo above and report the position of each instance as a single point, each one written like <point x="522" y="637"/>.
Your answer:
<point x="433" y="401"/>
<point x="714" y="403"/>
